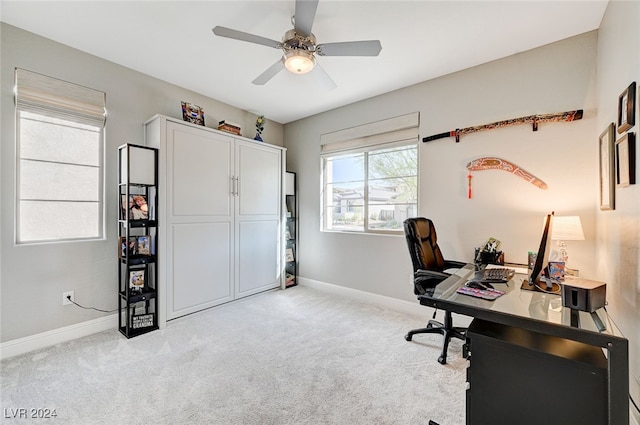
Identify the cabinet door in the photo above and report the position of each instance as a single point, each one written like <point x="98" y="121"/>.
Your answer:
<point x="258" y="218"/>
<point x="200" y="212"/>
<point x="259" y="180"/>
<point x="201" y="171"/>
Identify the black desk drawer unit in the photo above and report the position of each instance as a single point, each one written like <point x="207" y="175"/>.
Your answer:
<point x="516" y="376"/>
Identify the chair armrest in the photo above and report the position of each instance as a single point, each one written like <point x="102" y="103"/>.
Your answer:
<point x="425" y="281"/>
<point x="430" y="274"/>
<point x="452" y="264"/>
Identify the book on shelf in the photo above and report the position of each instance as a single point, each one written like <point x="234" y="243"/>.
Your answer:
<point x="141" y="321"/>
<point x="289" y="278"/>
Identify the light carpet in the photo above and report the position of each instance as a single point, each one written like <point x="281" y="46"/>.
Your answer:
<point x="298" y="356"/>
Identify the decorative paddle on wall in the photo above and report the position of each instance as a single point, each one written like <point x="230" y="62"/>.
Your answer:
<point x="529" y="119"/>
<point x="494" y="163"/>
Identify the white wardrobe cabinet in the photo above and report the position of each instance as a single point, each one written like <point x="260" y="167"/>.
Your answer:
<point x="220" y="211"/>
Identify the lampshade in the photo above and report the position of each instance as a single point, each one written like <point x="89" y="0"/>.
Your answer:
<point x="567" y="228"/>
<point x="299" y="61"/>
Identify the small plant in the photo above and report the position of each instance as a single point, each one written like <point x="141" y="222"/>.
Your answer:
<point x="259" y="127"/>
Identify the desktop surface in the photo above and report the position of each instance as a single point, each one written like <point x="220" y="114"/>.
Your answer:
<point x="547" y="309"/>
<point x="544" y="314"/>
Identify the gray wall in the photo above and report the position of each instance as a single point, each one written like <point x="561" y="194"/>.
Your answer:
<point x="589" y="72"/>
<point x="553" y="78"/>
<point x="618" y="231"/>
<point x="33" y="277"/>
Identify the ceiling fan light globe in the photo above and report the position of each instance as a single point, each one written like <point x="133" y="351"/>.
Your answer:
<point x="299" y="61"/>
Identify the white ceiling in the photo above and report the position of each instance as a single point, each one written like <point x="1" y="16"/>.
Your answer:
<point x="421" y="40"/>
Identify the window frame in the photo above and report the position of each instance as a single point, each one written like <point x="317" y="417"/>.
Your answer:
<point x="41" y="97"/>
<point x="365" y="151"/>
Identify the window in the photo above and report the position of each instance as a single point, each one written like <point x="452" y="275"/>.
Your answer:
<point x="370" y="183"/>
<point x="60" y="139"/>
<point x="373" y="191"/>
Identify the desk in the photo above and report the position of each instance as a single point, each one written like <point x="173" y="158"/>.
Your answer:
<point x="542" y="314"/>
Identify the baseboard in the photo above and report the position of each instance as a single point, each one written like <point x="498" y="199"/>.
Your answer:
<point x="57" y="336"/>
<point x="395" y="304"/>
<point x="68" y="333"/>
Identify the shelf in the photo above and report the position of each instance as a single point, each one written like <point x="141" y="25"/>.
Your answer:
<point x="136" y="184"/>
<point x="132" y="261"/>
<point x="136" y="332"/>
<point x="139" y="223"/>
<point x="149" y="294"/>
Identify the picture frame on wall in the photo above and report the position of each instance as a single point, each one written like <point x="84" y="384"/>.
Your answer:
<point x="607" y="168"/>
<point x="627" y="108"/>
<point x="625" y="160"/>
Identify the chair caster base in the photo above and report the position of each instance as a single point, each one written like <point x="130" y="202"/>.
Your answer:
<point x="408" y="337"/>
<point x="442" y="360"/>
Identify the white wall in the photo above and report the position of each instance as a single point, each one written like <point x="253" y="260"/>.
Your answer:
<point x="33" y="277"/>
<point x="618" y="231"/>
<point x="553" y="78"/>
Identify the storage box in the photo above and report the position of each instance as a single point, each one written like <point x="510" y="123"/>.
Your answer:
<point x="583" y="294"/>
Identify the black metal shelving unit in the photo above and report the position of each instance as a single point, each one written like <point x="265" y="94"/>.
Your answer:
<point x="291" y="233"/>
<point x="137" y="239"/>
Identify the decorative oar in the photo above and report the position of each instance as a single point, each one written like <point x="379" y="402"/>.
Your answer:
<point x="534" y="120"/>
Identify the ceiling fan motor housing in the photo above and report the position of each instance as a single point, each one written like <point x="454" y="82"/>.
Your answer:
<point x="298" y="52"/>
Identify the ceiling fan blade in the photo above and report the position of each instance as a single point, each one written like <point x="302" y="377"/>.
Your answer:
<point x="350" y="48"/>
<point x="323" y="78"/>
<point x="244" y="36"/>
<point x="271" y="72"/>
<point x="304" y="15"/>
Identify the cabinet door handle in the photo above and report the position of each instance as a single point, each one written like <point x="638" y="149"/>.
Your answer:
<point x="237" y="186"/>
<point x="232" y="185"/>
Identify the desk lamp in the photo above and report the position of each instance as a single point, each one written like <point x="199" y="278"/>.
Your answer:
<point x="566" y="228"/>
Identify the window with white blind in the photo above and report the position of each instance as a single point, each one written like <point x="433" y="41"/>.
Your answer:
<point x="60" y="145"/>
<point x="370" y="182"/>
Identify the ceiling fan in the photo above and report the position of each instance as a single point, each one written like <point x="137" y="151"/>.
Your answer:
<point x="299" y="45"/>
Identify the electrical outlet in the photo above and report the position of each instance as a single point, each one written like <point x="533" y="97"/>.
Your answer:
<point x="65" y="300"/>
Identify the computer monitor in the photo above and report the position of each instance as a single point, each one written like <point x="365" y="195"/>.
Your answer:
<point x="537" y="279"/>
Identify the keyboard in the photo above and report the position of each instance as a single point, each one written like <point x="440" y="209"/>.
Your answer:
<point x="497" y="275"/>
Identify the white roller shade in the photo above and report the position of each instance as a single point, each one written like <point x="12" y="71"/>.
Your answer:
<point x="57" y="98"/>
<point x="397" y="130"/>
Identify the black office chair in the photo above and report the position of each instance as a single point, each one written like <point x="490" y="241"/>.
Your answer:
<point x="429" y="270"/>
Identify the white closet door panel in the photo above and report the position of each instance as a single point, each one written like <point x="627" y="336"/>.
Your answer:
<point x="202" y="271"/>
<point x="258" y="257"/>
<point x="259" y="184"/>
<point x="201" y="171"/>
